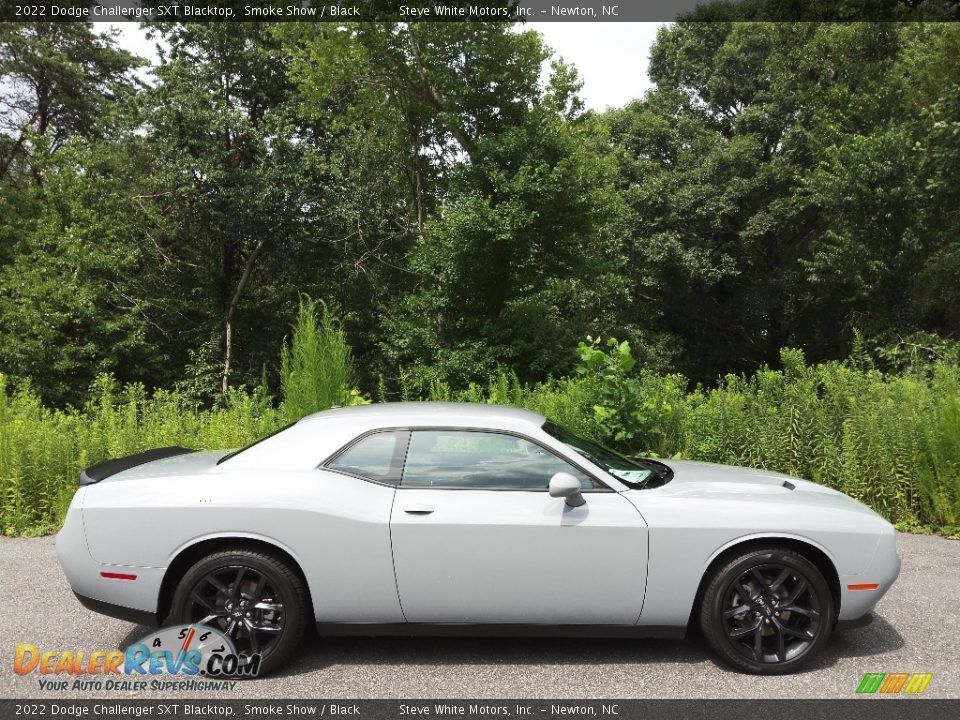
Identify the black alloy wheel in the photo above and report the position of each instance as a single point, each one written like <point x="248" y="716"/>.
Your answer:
<point x="242" y="603"/>
<point x="254" y="598"/>
<point x="767" y="611"/>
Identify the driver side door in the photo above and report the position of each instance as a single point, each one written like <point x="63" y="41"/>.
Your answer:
<point x="477" y="538"/>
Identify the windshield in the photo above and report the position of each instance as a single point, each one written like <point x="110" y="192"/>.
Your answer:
<point x="627" y="471"/>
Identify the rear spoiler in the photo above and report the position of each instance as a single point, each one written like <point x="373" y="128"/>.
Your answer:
<point x="96" y="473"/>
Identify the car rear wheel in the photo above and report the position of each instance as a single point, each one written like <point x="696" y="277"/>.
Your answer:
<point x="767" y="611"/>
<point x="254" y="598"/>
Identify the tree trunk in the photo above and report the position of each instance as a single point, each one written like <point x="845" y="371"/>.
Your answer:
<point x="231" y="309"/>
<point x="228" y="345"/>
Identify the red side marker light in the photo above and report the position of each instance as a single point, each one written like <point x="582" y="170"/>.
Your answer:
<point x="118" y="576"/>
<point x="863" y="586"/>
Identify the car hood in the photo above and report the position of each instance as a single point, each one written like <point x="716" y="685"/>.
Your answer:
<point x="711" y="480"/>
<point x="689" y="471"/>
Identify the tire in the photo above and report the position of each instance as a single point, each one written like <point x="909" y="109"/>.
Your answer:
<point x="277" y="615"/>
<point x="767" y="611"/>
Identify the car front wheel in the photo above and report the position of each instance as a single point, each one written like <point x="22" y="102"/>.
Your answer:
<point x="254" y="598"/>
<point x="767" y="611"/>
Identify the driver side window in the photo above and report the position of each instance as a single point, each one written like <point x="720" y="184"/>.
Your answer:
<point x="481" y="460"/>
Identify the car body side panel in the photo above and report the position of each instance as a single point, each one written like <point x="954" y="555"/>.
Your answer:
<point x="690" y="528"/>
<point x="336" y="527"/>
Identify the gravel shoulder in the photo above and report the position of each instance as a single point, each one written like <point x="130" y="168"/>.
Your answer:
<point x="916" y="628"/>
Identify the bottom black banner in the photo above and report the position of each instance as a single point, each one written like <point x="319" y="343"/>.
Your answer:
<point x="868" y="709"/>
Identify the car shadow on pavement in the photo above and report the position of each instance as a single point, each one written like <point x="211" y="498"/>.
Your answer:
<point x="318" y="653"/>
<point x="877" y="638"/>
<point x="135" y="633"/>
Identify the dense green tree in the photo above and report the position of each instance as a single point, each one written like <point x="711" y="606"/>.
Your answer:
<point x="70" y="307"/>
<point x="377" y="172"/>
<point x="226" y="206"/>
<point x="456" y="208"/>
<point x="64" y="242"/>
<point x="513" y="269"/>
<point x="506" y="193"/>
<point x="777" y="190"/>
<point x="889" y="197"/>
<point x="59" y="80"/>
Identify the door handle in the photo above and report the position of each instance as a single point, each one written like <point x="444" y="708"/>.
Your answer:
<point x="417" y="509"/>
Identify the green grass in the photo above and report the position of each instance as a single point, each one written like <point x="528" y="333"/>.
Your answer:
<point x="42" y="451"/>
<point x="891" y="440"/>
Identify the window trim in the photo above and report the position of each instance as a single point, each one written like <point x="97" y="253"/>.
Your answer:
<point x="600" y="484"/>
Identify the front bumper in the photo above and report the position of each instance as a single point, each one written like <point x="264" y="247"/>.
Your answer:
<point x="882" y="571"/>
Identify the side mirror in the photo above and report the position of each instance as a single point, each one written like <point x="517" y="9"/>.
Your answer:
<point x="566" y="486"/>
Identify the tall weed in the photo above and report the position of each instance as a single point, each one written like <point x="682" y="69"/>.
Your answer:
<point x="316" y="368"/>
<point x="890" y="439"/>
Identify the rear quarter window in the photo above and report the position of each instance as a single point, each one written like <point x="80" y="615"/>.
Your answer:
<point x="377" y="456"/>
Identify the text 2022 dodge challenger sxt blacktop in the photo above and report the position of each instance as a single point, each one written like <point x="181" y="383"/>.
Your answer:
<point x="418" y="518"/>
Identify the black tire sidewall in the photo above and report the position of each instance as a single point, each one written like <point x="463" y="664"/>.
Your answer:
<point x="285" y="581"/>
<point x="712" y="623"/>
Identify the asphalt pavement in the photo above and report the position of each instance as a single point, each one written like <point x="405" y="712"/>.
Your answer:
<point x="916" y="628"/>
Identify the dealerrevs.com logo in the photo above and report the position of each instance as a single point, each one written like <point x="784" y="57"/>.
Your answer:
<point x="894" y="683"/>
<point x="183" y="657"/>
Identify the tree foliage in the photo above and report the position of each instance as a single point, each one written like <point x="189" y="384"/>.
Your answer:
<point x="451" y="199"/>
<point x="783" y="188"/>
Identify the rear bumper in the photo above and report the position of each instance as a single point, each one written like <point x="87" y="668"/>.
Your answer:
<point x="134" y="591"/>
<point x="140" y="617"/>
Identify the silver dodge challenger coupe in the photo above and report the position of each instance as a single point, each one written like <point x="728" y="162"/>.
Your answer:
<point x="461" y="519"/>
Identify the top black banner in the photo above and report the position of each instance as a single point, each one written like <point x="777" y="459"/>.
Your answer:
<point x="477" y="10"/>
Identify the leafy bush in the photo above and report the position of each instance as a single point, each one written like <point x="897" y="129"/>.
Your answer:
<point x="634" y="409"/>
<point x="891" y="440"/>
